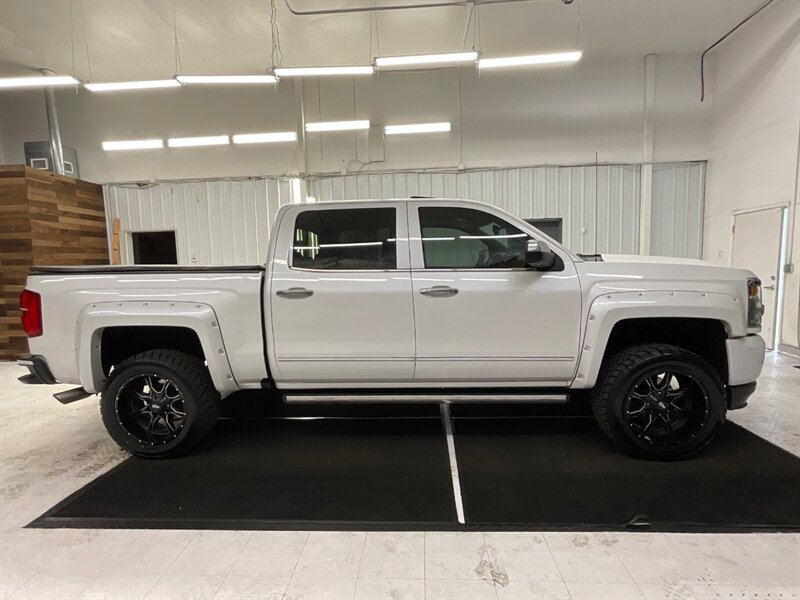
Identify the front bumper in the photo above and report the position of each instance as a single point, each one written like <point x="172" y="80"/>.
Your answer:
<point x="738" y="395"/>
<point x="745" y="359"/>
<point x="39" y="372"/>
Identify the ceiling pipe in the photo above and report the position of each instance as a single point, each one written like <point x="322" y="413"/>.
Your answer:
<point x="56" y="149"/>
<point x="440" y="4"/>
<point x="718" y="42"/>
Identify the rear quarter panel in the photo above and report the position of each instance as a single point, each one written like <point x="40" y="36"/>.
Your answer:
<point x="144" y="299"/>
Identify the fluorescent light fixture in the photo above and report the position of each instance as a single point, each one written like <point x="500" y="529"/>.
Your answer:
<point x="209" y="140"/>
<point x="426" y="59"/>
<point x="265" y="138"/>
<point x="230" y="79"/>
<point x="534" y="59"/>
<point x="37" y="81"/>
<point x="131" y="85"/>
<point x="133" y="144"/>
<point x="322" y="71"/>
<point x="337" y="125"/>
<point x="417" y="128"/>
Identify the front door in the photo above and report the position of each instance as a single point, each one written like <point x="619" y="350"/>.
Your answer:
<point x="757" y="246"/>
<point x="481" y="316"/>
<point x="341" y="299"/>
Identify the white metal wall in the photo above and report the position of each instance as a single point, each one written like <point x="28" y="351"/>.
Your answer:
<point x="229" y="221"/>
<point x="599" y="205"/>
<point x="215" y="222"/>
<point x="676" y="227"/>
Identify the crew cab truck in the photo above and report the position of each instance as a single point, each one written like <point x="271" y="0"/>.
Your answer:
<point x="406" y="300"/>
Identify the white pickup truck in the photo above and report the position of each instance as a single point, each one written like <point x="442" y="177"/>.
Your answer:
<point x="403" y="301"/>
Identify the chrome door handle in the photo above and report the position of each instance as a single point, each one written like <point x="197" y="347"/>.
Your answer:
<point x="294" y="293"/>
<point x="769" y="287"/>
<point x="439" y="291"/>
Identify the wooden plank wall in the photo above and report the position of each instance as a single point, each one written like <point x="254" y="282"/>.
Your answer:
<point x="45" y="219"/>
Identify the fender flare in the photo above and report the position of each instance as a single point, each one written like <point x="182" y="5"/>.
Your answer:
<point x="609" y="309"/>
<point x="198" y="317"/>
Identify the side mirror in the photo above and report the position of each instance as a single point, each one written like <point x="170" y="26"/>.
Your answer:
<point x="538" y="256"/>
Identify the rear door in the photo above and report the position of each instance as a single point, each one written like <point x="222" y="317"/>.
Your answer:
<point x="481" y="316"/>
<point x="340" y="295"/>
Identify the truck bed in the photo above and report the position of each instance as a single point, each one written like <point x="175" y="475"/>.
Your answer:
<point x="133" y="269"/>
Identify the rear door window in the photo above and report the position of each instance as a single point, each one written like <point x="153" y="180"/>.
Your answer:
<point x="345" y="239"/>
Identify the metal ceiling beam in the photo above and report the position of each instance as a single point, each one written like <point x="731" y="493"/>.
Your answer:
<point x="440" y="4"/>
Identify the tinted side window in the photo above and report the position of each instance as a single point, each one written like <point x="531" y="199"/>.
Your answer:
<point x="464" y="238"/>
<point x="345" y="239"/>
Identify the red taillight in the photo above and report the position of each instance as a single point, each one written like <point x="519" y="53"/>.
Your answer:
<point x="31" y="305"/>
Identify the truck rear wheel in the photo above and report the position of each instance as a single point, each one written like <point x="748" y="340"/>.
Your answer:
<point x="159" y="403"/>
<point x="659" y="401"/>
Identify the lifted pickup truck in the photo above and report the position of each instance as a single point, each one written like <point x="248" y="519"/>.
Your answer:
<point x="403" y="301"/>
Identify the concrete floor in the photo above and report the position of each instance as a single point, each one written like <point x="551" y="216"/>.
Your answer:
<point x="48" y="451"/>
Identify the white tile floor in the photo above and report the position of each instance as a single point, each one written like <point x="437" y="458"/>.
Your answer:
<point x="47" y="451"/>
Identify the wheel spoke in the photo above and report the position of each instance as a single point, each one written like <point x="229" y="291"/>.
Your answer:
<point x="649" y="423"/>
<point x="639" y="411"/>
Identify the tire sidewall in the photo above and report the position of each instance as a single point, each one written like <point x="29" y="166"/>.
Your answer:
<point x="689" y="364"/>
<point x="108" y="408"/>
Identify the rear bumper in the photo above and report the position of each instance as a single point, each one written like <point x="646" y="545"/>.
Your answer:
<point x="745" y="359"/>
<point x="738" y="395"/>
<point x="39" y="372"/>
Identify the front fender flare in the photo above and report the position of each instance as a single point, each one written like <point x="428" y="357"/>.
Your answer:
<point x="609" y="309"/>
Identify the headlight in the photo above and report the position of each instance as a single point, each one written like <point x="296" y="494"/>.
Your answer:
<point x="755" y="308"/>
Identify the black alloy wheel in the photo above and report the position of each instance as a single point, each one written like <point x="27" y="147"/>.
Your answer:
<point x="150" y="407"/>
<point x="666" y="407"/>
<point x="659" y="401"/>
<point x="159" y="403"/>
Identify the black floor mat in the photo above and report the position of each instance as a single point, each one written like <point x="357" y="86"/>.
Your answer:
<point x="393" y="473"/>
<point x="563" y="474"/>
<point x="280" y="474"/>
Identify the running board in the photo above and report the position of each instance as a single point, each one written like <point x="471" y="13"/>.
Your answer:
<point x="548" y="398"/>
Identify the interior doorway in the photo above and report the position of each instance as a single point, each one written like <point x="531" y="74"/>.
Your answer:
<point x="758" y="240"/>
<point x="154" y="248"/>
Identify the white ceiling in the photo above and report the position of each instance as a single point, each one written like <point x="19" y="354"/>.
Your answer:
<point x="133" y="39"/>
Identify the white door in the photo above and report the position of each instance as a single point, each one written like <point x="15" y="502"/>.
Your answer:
<point x="757" y="246"/>
<point x="480" y="315"/>
<point x="341" y="298"/>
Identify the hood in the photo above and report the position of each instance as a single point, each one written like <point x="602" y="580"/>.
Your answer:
<point x="661" y="260"/>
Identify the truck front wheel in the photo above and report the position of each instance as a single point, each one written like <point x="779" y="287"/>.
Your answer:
<point x="659" y="401"/>
<point x="159" y="403"/>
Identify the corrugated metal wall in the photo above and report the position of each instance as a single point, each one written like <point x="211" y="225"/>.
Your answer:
<point x="229" y="221"/>
<point x="599" y="205"/>
<point x="215" y="222"/>
<point x="677" y="210"/>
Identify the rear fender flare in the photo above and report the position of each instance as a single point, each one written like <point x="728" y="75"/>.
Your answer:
<point x="198" y="317"/>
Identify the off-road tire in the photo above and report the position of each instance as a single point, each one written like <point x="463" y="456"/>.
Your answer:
<point x="199" y="397"/>
<point x="622" y="370"/>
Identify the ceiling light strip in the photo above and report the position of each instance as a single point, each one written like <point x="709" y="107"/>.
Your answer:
<point x="533" y="59"/>
<point x="417" y="128"/>
<point x="425" y="59"/>
<point x="209" y="140"/>
<point x="337" y="126"/>
<point x="265" y="138"/>
<point x="133" y="144"/>
<point x="323" y="71"/>
<point x="37" y="81"/>
<point x="131" y="85"/>
<point x="226" y="79"/>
